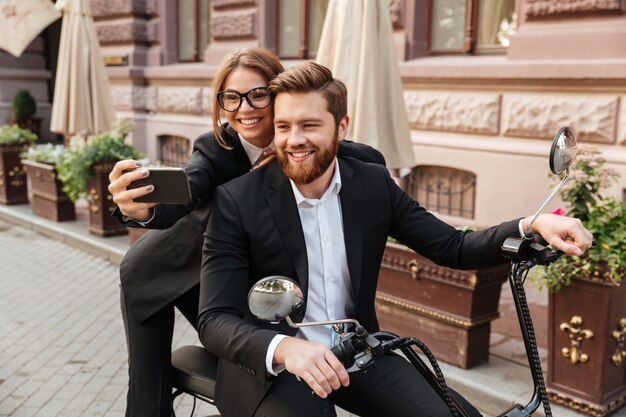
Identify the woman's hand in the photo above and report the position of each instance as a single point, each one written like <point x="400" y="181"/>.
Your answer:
<point x="123" y="173"/>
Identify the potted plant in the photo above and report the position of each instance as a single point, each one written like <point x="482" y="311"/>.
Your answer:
<point x="12" y="178"/>
<point x="47" y="197"/>
<point x="449" y="310"/>
<point x="586" y="307"/>
<point x="24" y="107"/>
<point x="84" y="173"/>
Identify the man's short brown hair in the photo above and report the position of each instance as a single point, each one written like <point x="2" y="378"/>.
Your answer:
<point x="313" y="77"/>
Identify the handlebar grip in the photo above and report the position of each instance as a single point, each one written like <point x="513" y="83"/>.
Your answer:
<point x="343" y="350"/>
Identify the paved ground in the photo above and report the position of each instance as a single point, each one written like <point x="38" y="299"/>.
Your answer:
<point x="62" y="348"/>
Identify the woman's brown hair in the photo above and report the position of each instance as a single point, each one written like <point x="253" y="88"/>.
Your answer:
<point x="256" y="59"/>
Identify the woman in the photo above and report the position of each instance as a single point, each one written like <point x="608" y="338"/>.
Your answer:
<point x="161" y="271"/>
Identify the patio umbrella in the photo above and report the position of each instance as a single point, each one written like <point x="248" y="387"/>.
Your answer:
<point x="82" y="102"/>
<point x="22" y="20"/>
<point x="357" y="46"/>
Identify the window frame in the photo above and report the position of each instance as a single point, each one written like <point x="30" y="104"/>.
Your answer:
<point x="305" y="27"/>
<point x="470" y="32"/>
<point x="197" y="55"/>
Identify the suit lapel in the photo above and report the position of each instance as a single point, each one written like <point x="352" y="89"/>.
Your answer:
<point x="232" y="138"/>
<point x="285" y="212"/>
<point x="351" y="197"/>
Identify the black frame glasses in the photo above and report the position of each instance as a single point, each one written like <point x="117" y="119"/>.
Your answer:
<point x="246" y="96"/>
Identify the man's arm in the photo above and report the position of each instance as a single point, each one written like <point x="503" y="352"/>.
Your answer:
<point x="443" y="244"/>
<point x="224" y="288"/>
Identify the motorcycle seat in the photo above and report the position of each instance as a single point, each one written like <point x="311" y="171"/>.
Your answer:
<point x="194" y="371"/>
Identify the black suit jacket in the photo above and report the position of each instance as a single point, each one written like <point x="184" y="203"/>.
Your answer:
<point x="255" y="231"/>
<point x="164" y="264"/>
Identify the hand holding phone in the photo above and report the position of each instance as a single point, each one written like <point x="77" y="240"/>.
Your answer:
<point x="171" y="186"/>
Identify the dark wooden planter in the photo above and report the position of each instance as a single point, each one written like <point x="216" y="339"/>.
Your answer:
<point x="101" y="203"/>
<point x="447" y="309"/>
<point x="586" y="352"/>
<point x="48" y="199"/>
<point x="13" y="188"/>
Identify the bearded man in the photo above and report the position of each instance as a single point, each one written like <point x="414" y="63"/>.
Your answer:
<point x="324" y="221"/>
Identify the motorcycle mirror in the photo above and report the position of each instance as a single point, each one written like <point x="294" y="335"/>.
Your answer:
<point x="563" y="150"/>
<point x="274" y="298"/>
<point x="562" y="154"/>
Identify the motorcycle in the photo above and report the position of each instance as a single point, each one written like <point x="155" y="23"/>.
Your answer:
<point x="276" y="298"/>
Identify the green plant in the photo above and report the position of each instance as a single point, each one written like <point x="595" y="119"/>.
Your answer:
<point x="44" y="153"/>
<point x="24" y="105"/>
<point x="605" y="217"/>
<point x="75" y="168"/>
<point x="15" y="135"/>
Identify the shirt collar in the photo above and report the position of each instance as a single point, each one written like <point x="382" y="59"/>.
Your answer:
<point x="251" y="150"/>
<point x="333" y="189"/>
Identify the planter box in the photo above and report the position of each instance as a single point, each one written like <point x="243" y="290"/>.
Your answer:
<point x="48" y="199"/>
<point x="101" y="203"/>
<point x="586" y="353"/>
<point x="13" y="188"/>
<point x="447" y="309"/>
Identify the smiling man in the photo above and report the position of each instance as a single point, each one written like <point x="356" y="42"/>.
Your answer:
<point x="323" y="220"/>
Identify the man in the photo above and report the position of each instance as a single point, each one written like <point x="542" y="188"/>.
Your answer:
<point x="324" y="222"/>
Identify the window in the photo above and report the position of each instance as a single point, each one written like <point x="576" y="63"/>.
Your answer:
<point x="173" y="150"/>
<point x="193" y="29"/>
<point x="300" y="27"/>
<point x="442" y="189"/>
<point x="468" y="26"/>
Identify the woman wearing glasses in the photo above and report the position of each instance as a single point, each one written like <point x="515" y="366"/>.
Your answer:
<point x="161" y="271"/>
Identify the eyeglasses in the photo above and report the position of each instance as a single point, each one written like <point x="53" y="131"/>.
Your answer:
<point x="231" y="100"/>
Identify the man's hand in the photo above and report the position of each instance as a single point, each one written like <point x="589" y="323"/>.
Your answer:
<point x="312" y="362"/>
<point x="118" y="181"/>
<point x="556" y="229"/>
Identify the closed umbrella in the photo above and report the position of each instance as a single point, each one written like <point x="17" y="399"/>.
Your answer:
<point x="357" y="46"/>
<point x="82" y="102"/>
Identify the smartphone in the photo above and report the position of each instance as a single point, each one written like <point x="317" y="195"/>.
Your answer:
<point x="171" y="186"/>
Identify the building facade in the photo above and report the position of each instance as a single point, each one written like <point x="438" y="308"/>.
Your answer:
<point x="487" y="83"/>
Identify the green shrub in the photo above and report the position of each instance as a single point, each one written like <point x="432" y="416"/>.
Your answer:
<point x="605" y="217"/>
<point x="75" y="169"/>
<point x="44" y="153"/>
<point x="24" y="105"/>
<point x="15" y="135"/>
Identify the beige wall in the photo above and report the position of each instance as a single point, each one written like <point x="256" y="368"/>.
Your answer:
<point x="493" y="115"/>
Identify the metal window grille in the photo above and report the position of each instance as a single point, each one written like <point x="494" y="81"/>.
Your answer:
<point x="443" y="190"/>
<point x="173" y="150"/>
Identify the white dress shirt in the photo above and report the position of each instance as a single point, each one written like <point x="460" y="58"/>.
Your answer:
<point x="329" y="295"/>
<point x="253" y="151"/>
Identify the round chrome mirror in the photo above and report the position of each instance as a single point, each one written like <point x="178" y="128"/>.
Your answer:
<point x="274" y="298"/>
<point x="563" y="150"/>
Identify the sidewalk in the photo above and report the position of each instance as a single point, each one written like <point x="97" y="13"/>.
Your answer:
<point x="63" y="352"/>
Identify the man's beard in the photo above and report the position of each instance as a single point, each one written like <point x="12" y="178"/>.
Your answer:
<point x="309" y="172"/>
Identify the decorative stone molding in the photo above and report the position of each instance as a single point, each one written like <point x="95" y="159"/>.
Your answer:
<point x="454" y="112"/>
<point x="240" y="25"/>
<point x="130" y="32"/>
<point x="540" y="116"/>
<point x="223" y="4"/>
<point x="129" y="97"/>
<point x="109" y="8"/>
<point x="543" y="8"/>
<point x="396" y="12"/>
<point x="180" y="100"/>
